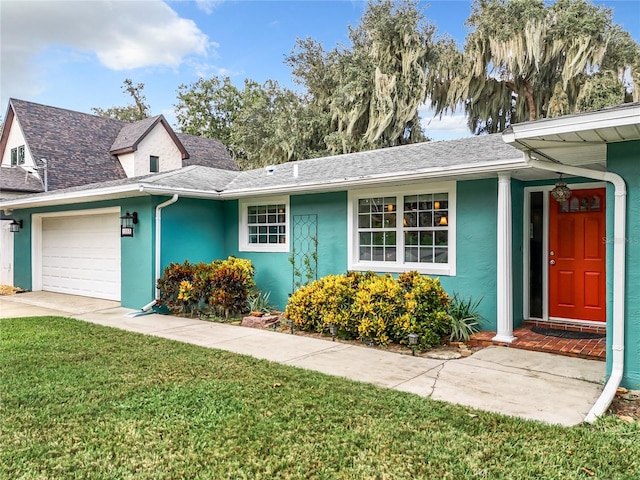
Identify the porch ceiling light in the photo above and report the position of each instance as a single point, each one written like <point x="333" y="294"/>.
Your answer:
<point x="561" y="192"/>
<point x="15" y="226"/>
<point x="127" y="222"/>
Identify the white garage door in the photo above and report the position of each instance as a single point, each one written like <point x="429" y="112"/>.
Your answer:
<point x="81" y="255"/>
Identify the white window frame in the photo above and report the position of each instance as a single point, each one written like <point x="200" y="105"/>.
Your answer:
<point x="243" y="229"/>
<point x="354" y="263"/>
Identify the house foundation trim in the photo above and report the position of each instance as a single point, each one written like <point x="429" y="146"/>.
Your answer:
<point x="504" y="262"/>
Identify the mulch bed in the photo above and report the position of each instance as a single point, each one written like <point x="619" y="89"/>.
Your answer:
<point x="626" y="405"/>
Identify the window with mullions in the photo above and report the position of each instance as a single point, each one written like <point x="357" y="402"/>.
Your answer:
<point x="263" y="224"/>
<point x="394" y="231"/>
<point x="426" y="228"/>
<point x="377" y="228"/>
<point x="267" y="224"/>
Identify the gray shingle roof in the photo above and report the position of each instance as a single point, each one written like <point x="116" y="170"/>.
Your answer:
<point x="17" y="179"/>
<point x="194" y="177"/>
<point x="77" y="145"/>
<point x="206" y="152"/>
<point x="417" y="157"/>
<point x="434" y="158"/>
<point x="131" y="133"/>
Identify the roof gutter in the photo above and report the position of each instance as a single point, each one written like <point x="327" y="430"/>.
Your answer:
<point x="619" y="249"/>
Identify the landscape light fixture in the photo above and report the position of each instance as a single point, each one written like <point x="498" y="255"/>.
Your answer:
<point x="333" y="329"/>
<point x="127" y="221"/>
<point x="413" y="342"/>
<point x="15" y="226"/>
<point x="290" y="323"/>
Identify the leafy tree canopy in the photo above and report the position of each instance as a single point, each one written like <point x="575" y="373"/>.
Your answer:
<point x="372" y="89"/>
<point x="130" y="113"/>
<point x="524" y="60"/>
<point x="356" y="98"/>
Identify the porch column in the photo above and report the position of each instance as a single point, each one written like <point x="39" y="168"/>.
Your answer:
<point x="505" y="274"/>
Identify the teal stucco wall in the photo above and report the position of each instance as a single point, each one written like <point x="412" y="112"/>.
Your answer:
<point x="137" y="254"/>
<point x="624" y="159"/>
<point x="476" y="245"/>
<point x="477" y="230"/>
<point x="22" y="251"/>
<point x="273" y="270"/>
<point x="194" y="230"/>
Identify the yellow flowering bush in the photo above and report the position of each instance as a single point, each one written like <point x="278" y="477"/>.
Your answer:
<point x="379" y="308"/>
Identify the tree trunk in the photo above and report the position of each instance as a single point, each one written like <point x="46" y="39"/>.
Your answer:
<point x="528" y="95"/>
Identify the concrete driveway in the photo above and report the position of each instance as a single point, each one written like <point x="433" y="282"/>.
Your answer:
<point x="531" y="385"/>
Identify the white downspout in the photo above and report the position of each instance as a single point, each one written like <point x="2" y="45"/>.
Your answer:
<point x="158" y="265"/>
<point x="159" y="208"/>
<point x="619" y="249"/>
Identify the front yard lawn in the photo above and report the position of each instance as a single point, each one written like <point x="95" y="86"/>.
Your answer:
<point x="84" y="401"/>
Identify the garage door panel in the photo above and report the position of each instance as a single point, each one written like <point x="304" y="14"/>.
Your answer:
<point x="81" y="255"/>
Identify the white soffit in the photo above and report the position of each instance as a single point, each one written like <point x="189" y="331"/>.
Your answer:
<point x="578" y="139"/>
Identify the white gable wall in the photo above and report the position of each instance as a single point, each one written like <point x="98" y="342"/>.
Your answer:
<point x="127" y="162"/>
<point x="158" y="142"/>
<point x="15" y="139"/>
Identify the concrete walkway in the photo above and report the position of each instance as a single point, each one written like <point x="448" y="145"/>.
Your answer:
<point x="532" y="385"/>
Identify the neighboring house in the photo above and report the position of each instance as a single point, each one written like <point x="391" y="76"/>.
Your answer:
<point x="46" y="148"/>
<point x="475" y="212"/>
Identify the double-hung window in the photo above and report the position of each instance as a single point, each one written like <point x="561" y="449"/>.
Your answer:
<point x="264" y="225"/>
<point x="395" y="230"/>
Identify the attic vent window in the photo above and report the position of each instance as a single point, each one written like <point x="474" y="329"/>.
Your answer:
<point x="17" y="156"/>
<point x="154" y="164"/>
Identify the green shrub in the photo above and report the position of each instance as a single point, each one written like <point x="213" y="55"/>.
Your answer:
<point x="374" y="307"/>
<point x="230" y="284"/>
<point x="176" y="287"/>
<point x="222" y="286"/>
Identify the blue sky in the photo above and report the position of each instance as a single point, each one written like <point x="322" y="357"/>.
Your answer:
<point x="75" y="54"/>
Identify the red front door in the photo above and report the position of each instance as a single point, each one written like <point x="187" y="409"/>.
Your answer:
<point x="577" y="264"/>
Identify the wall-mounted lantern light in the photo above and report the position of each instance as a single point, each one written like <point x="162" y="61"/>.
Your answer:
<point x="126" y="224"/>
<point x="15" y="226"/>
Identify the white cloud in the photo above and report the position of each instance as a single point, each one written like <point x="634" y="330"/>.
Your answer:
<point x="448" y="127"/>
<point x="208" y="6"/>
<point x="123" y="35"/>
